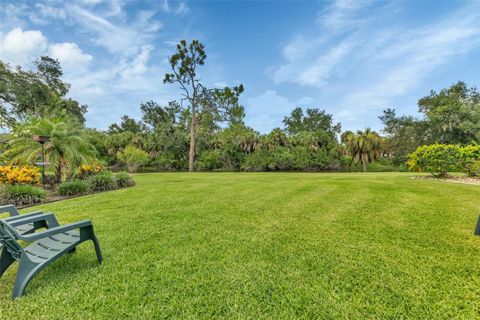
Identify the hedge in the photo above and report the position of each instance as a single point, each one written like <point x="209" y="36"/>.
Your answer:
<point x="440" y="159"/>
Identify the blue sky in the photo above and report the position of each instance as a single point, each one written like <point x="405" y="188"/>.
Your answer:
<point x="352" y="58"/>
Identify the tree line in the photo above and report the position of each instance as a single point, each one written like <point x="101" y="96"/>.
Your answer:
<point x="205" y="130"/>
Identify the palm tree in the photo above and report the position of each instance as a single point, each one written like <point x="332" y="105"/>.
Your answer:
<point x="363" y="146"/>
<point x="67" y="148"/>
<point x="276" y="138"/>
<point x="248" y="141"/>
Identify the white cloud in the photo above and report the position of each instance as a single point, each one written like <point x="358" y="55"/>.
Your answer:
<point x="342" y="14"/>
<point x="43" y="14"/>
<point x="345" y="115"/>
<point x="114" y="39"/>
<point x="105" y="22"/>
<point x="306" y="101"/>
<point x="133" y="72"/>
<point x="316" y="55"/>
<point x="182" y="8"/>
<point x="269" y="101"/>
<point x="21" y="47"/>
<point x="411" y="57"/>
<point x="313" y="74"/>
<point x="165" y="6"/>
<point x="266" y="111"/>
<point x="71" y="57"/>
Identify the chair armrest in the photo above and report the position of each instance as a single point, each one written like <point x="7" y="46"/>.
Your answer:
<point x="22" y="216"/>
<point x="10" y="208"/>
<point x="56" y="230"/>
<point x="48" y="217"/>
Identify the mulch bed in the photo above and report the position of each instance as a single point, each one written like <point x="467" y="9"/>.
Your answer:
<point x="454" y="179"/>
<point x="55" y="197"/>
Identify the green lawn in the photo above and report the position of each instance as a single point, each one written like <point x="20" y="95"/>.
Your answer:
<point x="266" y="246"/>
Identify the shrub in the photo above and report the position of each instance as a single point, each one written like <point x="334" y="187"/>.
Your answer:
<point x="475" y="169"/>
<point x="19" y="175"/>
<point x="21" y="194"/>
<point x="438" y="159"/>
<point x="73" y="187"/>
<point x="87" y="170"/>
<point x="470" y="159"/>
<point x="280" y="159"/>
<point x="269" y="160"/>
<point x="256" y="161"/>
<point x="123" y="179"/>
<point x="306" y="159"/>
<point x="168" y="160"/>
<point x="102" y="181"/>
<point x="133" y="157"/>
<point x="209" y="160"/>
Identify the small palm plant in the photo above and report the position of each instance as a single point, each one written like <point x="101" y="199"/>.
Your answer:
<point x="363" y="146"/>
<point x="67" y="148"/>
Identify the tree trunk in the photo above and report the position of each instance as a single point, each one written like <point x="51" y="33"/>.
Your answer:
<point x="364" y="162"/>
<point x="191" y="154"/>
<point x="58" y="172"/>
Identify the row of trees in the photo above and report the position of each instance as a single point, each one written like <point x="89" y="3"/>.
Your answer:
<point x="307" y="141"/>
<point x="204" y="128"/>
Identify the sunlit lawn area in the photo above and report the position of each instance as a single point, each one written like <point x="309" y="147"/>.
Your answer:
<point x="259" y="245"/>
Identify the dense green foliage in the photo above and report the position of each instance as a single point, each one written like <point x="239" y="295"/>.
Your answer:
<point x="21" y="194"/>
<point x="103" y="181"/>
<point x="73" y="187"/>
<point x="265" y="246"/>
<point x="123" y="179"/>
<point x="235" y="147"/>
<point x="133" y="157"/>
<point x="37" y="93"/>
<point x="440" y="159"/>
<point x="451" y="116"/>
<point x="470" y="160"/>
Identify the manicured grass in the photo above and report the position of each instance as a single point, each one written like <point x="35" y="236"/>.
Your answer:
<point x="266" y="246"/>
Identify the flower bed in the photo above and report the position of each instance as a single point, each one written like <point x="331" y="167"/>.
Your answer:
<point x="19" y="185"/>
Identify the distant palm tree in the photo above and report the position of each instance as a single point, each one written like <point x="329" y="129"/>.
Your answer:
<point x="67" y="148"/>
<point x="276" y="138"/>
<point x="363" y="146"/>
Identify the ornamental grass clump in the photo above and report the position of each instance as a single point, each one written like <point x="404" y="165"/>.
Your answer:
<point x="73" y="187"/>
<point x="21" y="194"/>
<point x="123" y="179"/>
<point x="102" y="182"/>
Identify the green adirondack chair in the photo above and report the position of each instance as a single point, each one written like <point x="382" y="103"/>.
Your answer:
<point x="46" y="245"/>
<point x="14" y="214"/>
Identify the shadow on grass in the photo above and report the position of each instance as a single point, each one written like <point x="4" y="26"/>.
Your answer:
<point x="62" y="272"/>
